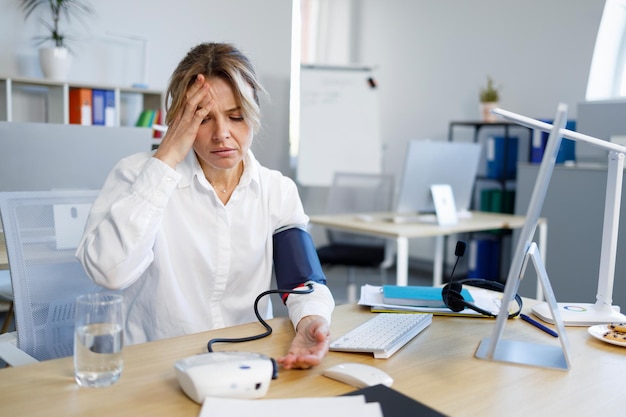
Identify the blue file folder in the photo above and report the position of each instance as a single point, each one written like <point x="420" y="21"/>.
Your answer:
<point x="567" y="150"/>
<point x="496" y="167"/>
<point x="97" y="107"/>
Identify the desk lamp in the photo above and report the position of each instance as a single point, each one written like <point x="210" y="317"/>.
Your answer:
<point x="574" y="313"/>
<point x="602" y="311"/>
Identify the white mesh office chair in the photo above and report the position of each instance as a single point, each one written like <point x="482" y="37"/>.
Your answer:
<point x="42" y="230"/>
<point x="358" y="193"/>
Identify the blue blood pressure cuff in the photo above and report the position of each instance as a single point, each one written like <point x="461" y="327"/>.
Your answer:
<point x="295" y="259"/>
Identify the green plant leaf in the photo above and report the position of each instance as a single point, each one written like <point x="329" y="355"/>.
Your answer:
<point x="58" y="10"/>
<point x="490" y="93"/>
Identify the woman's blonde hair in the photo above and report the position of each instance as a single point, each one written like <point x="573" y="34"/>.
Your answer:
<point x="221" y="60"/>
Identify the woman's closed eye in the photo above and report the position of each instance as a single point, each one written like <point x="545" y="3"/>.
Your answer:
<point x="235" y="118"/>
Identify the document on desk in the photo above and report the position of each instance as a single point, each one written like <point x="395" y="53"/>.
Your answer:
<point x="372" y="296"/>
<point x="288" y="407"/>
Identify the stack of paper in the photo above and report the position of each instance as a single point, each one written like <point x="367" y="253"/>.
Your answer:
<point x="372" y="296"/>
<point x="302" y="407"/>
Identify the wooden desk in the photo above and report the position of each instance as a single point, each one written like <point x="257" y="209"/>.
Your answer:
<point x="402" y="232"/>
<point x="437" y="368"/>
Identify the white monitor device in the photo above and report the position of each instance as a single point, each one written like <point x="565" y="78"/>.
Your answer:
<point x="46" y="156"/>
<point x="431" y="162"/>
<point x="602" y="119"/>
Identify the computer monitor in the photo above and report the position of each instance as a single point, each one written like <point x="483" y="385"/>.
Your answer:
<point x="47" y="156"/>
<point x="602" y="119"/>
<point x="431" y="162"/>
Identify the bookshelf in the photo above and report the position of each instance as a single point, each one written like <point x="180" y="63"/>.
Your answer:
<point x="504" y="144"/>
<point x="45" y="101"/>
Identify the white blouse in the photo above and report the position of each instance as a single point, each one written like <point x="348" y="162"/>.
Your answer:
<point x="185" y="261"/>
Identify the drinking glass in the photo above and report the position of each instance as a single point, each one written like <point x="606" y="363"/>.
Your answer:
<point x="98" y="339"/>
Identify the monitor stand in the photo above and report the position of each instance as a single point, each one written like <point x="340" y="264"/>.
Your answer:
<point x="526" y="353"/>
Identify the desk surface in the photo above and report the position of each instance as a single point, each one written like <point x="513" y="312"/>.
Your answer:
<point x="437" y="368"/>
<point x="377" y="225"/>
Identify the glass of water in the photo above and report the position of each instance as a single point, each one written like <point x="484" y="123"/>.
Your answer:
<point x="98" y="339"/>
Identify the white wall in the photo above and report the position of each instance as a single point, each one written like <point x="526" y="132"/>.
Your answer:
<point x="434" y="55"/>
<point x="262" y="29"/>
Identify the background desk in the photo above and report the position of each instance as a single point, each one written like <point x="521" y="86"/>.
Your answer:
<point x="402" y="232"/>
<point x="437" y="368"/>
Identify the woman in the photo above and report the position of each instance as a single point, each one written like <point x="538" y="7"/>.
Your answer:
<point x="190" y="232"/>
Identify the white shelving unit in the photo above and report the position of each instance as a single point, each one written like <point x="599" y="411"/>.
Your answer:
<point x="45" y="101"/>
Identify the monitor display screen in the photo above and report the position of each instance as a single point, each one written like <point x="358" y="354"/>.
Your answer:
<point x="431" y="162"/>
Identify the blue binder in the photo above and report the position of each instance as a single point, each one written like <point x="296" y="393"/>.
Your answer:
<point x="567" y="150"/>
<point x="484" y="259"/>
<point x="496" y="157"/>
<point x="97" y="107"/>
<point x="109" y="108"/>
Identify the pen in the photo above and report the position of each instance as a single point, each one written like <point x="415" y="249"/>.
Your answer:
<point x="538" y="325"/>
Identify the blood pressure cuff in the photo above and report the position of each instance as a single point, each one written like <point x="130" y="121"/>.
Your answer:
<point x="295" y="259"/>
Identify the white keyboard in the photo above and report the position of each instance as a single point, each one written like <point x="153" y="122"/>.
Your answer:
<point x="383" y="334"/>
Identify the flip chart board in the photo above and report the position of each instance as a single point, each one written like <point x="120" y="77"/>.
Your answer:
<point x="339" y="124"/>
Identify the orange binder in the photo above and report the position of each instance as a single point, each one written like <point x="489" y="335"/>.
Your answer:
<point x="80" y="106"/>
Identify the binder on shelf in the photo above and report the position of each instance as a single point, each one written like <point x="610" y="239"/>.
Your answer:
<point x="495" y="157"/>
<point x="567" y="150"/>
<point x="109" y="108"/>
<point x="97" y="107"/>
<point x="158" y="120"/>
<point x="146" y="118"/>
<point x="495" y="200"/>
<point x="80" y="106"/>
<point x="484" y="259"/>
<point x="537" y="146"/>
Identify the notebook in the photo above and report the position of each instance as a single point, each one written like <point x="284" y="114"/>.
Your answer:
<point x="394" y="403"/>
<point x="418" y="296"/>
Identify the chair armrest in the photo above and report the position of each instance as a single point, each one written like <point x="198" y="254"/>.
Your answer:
<point x="11" y="354"/>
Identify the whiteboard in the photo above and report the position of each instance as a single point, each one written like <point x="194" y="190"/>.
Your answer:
<point x="339" y="124"/>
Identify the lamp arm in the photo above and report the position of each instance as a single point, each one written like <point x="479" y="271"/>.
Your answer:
<point x="566" y="133"/>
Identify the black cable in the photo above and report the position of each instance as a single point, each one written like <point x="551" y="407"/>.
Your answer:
<point x="459" y="251"/>
<point x="268" y="328"/>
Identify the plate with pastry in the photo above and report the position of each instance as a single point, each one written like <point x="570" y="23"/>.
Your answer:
<point x="613" y="333"/>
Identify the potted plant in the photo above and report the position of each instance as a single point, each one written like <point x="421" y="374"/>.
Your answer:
<point x="55" y="59"/>
<point x="489" y="99"/>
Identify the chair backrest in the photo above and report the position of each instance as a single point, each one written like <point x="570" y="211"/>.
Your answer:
<point x="41" y="230"/>
<point x="359" y="193"/>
